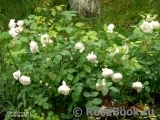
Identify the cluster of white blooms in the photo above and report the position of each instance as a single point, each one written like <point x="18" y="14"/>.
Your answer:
<point x="99" y="87"/>
<point x="15" y="28"/>
<point x="110" y="28"/>
<point x="91" y="57"/>
<point x="24" y="80"/>
<point x="64" y="89"/>
<point x="138" y="86"/>
<point x="45" y="39"/>
<point x="109" y="73"/>
<point x="33" y="47"/>
<point x="116" y="77"/>
<point x="148" y="27"/>
<point x="79" y="46"/>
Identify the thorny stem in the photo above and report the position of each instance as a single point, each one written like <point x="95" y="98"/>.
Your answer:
<point x="12" y="58"/>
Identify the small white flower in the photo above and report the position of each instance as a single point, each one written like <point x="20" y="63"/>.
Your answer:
<point x="46" y="84"/>
<point x="99" y="87"/>
<point x="13" y="32"/>
<point x="48" y="59"/>
<point x="91" y="57"/>
<point x="116" y="77"/>
<point x="139" y="90"/>
<point x="20" y="23"/>
<point x="137" y="85"/>
<point x="126" y="49"/>
<point x="24" y="80"/>
<point x="110" y="28"/>
<point x="64" y="89"/>
<point x="19" y="29"/>
<point x="146" y="27"/>
<point x="79" y="46"/>
<point x="155" y="24"/>
<point x="44" y="38"/>
<point x="33" y="47"/>
<point x="12" y="24"/>
<point x="40" y="82"/>
<point x="50" y="41"/>
<point x="16" y="74"/>
<point x="107" y="72"/>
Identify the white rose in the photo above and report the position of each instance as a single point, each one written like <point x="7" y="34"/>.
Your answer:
<point x="116" y="77"/>
<point x="46" y="84"/>
<point x="110" y="28"/>
<point x="12" y="24"/>
<point x="13" y="32"/>
<point x="79" y="46"/>
<point x="16" y="74"/>
<point x="137" y="85"/>
<point x="20" y="23"/>
<point x="44" y="38"/>
<point x="107" y="72"/>
<point x="139" y="90"/>
<point x="19" y="29"/>
<point x="50" y="41"/>
<point x="155" y="24"/>
<point x="33" y="47"/>
<point x="91" y="57"/>
<point x="99" y="87"/>
<point x="64" y="89"/>
<point x="146" y="27"/>
<point x="24" y="80"/>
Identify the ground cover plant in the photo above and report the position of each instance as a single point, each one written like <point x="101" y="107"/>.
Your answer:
<point x="52" y="62"/>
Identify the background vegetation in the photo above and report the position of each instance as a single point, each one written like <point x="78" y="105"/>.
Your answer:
<point x="122" y="13"/>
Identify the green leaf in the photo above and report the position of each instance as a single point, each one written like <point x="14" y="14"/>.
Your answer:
<point x="87" y="68"/>
<point x="105" y="27"/>
<point x="85" y="38"/>
<point x="97" y="101"/>
<point x="58" y="8"/>
<point x="121" y="36"/>
<point x="137" y="65"/>
<point x="76" y="79"/>
<point x="63" y="115"/>
<point x="147" y="89"/>
<point x="79" y="24"/>
<point x="45" y="105"/>
<point x="94" y="94"/>
<point x="108" y="84"/>
<point x="53" y="12"/>
<point x="65" y="52"/>
<point x="33" y="26"/>
<point x="69" y="116"/>
<point x="86" y="94"/>
<point x="58" y="58"/>
<point x="24" y="39"/>
<point x="89" y="104"/>
<point x="75" y="96"/>
<point x="114" y="89"/>
<point x="71" y="70"/>
<point x="104" y="91"/>
<point x="69" y="76"/>
<point x="146" y="83"/>
<point x="19" y="96"/>
<point x="69" y="30"/>
<point x="31" y="16"/>
<point x="55" y="117"/>
<point x="50" y="113"/>
<point x="44" y="99"/>
<point x="78" y="90"/>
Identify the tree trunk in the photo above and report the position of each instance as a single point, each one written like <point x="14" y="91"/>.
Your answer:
<point x="86" y="8"/>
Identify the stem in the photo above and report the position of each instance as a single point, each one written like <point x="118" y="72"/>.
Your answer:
<point x="12" y="58"/>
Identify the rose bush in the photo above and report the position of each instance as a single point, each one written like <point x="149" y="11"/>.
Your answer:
<point x="62" y="64"/>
